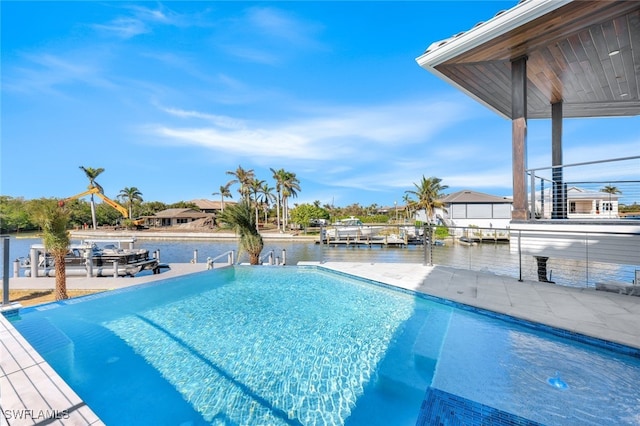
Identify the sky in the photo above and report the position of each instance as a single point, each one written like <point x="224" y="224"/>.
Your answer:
<point x="168" y="97"/>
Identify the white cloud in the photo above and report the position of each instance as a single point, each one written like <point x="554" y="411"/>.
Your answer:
<point x="338" y="133"/>
<point x="124" y="28"/>
<point x="44" y="73"/>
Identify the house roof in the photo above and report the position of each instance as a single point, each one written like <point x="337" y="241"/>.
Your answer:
<point x="583" y="53"/>
<point x="205" y="204"/>
<point x="580" y="193"/>
<point x="190" y="213"/>
<point x="471" y="197"/>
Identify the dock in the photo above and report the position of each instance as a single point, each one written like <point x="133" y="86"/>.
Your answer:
<point x="107" y="283"/>
<point x="386" y="241"/>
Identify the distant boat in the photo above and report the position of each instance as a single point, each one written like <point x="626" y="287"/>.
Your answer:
<point x="352" y="227"/>
<point x="91" y="258"/>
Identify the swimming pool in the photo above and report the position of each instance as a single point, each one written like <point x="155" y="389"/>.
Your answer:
<point x="301" y="345"/>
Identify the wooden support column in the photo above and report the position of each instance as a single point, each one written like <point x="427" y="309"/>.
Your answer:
<point x="519" y="137"/>
<point x="559" y="209"/>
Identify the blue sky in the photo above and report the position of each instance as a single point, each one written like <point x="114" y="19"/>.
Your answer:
<point x="169" y="96"/>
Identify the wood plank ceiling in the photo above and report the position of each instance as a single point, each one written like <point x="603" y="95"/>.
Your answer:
<point x="585" y="54"/>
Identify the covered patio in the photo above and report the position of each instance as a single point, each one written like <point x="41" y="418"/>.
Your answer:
<point x="549" y="59"/>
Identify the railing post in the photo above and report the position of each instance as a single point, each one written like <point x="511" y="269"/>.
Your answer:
<point x="284" y="257"/>
<point x="427" y="238"/>
<point x="5" y="271"/>
<point x="532" y="208"/>
<point x="520" y="255"/>
<point x="586" y="260"/>
<point x="115" y="269"/>
<point x="195" y="256"/>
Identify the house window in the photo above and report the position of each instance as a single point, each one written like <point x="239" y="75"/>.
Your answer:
<point x="572" y="206"/>
<point x="458" y="211"/>
<point x="182" y="220"/>
<point x="479" y="211"/>
<point x="607" y="207"/>
<point x="502" y="211"/>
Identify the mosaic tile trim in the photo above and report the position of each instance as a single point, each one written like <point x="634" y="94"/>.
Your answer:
<point x="441" y="408"/>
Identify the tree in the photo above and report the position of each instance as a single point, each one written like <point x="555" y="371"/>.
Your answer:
<point x="130" y="196"/>
<point x="279" y="176"/>
<point x="53" y="219"/>
<point x="242" y="177"/>
<point x="290" y="186"/>
<point x="240" y="217"/>
<point x="225" y="192"/>
<point x="13" y="216"/>
<point x="92" y="174"/>
<point x="428" y="193"/>
<point x="255" y="186"/>
<point x="611" y="190"/>
<point x="304" y="213"/>
<point x="266" y="197"/>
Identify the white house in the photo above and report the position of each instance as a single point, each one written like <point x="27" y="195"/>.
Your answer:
<point x="582" y="204"/>
<point x="470" y="208"/>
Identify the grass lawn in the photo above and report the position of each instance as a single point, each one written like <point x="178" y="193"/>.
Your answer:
<point x="36" y="297"/>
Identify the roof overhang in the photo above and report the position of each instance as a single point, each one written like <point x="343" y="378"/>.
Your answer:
<point x="585" y="54"/>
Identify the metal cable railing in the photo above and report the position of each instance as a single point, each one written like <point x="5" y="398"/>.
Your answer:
<point x="590" y="190"/>
<point x="569" y="258"/>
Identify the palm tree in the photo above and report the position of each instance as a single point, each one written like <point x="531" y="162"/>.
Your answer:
<point x="428" y="193"/>
<point x="279" y="176"/>
<point x="266" y="198"/>
<point x="290" y="185"/>
<point x="92" y="174"/>
<point x="53" y="220"/>
<point x="611" y="190"/>
<point x="240" y="216"/>
<point x="224" y="193"/>
<point x="255" y="185"/>
<point x="130" y="196"/>
<point x="242" y="177"/>
<point x="409" y="203"/>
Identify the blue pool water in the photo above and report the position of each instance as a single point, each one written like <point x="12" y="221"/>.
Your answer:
<point x="304" y="346"/>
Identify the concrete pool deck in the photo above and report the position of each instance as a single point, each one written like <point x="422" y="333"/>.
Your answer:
<point x="32" y="390"/>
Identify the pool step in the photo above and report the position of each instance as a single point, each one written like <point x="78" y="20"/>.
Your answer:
<point x="429" y="341"/>
<point x="410" y="362"/>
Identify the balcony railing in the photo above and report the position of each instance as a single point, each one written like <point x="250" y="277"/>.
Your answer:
<point x="595" y="190"/>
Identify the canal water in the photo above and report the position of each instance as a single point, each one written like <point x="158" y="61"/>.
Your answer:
<point x="497" y="258"/>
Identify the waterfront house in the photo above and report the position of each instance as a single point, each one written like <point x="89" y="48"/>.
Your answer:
<point x="470" y="208"/>
<point x="581" y="204"/>
<point x="174" y="217"/>
<point x="210" y="206"/>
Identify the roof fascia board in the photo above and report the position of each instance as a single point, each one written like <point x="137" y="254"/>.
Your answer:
<point x="501" y="24"/>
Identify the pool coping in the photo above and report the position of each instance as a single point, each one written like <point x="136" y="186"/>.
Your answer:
<point x="32" y="392"/>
